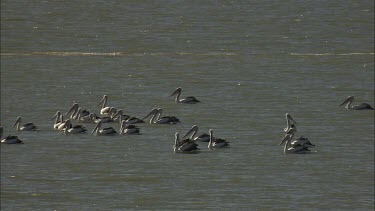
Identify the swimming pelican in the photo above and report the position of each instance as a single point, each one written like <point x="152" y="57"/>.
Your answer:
<point x="106" y="118"/>
<point x="193" y="131"/>
<point x="216" y="142"/>
<point x="105" y="131"/>
<point x="362" y="106"/>
<point x="9" y="139"/>
<point x="121" y="116"/>
<point x="289" y="122"/>
<point x="157" y="119"/>
<point x="28" y="126"/>
<point x="185" y="146"/>
<point x="190" y="100"/>
<point x="68" y="128"/>
<point x="128" y="129"/>
<point x="75" y="111"/>
<point x="105" y="109"/>
<point x="288" y="149"/>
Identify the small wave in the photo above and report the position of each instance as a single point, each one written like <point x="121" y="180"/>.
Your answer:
<point x="329" y="54"/>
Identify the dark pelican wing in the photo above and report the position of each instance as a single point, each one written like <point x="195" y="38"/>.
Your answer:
<point x="11" y="140"/>
<point x="188" y="147"/>
<point x="363" y="106"/>
<point x="203" y="137"/>
<point x="190" y="100"/>
<point x="168" y="120"/>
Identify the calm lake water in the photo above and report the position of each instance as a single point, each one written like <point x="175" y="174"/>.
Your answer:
<point x="249" y="62"/>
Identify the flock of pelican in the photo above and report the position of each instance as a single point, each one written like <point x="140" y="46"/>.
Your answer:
<point x="298" y="146"/>
<point x="128" y="126"/>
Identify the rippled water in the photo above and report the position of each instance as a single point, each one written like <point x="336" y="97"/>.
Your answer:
<point x="249" y="62"/>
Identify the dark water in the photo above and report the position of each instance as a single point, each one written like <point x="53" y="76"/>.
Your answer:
<point x="249" y="62"/>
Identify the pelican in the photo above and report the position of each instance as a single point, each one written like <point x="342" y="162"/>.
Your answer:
<point x="68" y="128"/>
<point x="156" y="119"/>
<point x="9" y="139"/>
<point x="76" y="114"/>
<point x="128" y="129"/>
<point x="362" y="106"/>
<point x="121" y="116"/>
<point x="288" y="148"/>
<point x="27" y="126"/>
<point x="106" y="118"/>
<point x="193" y="131"/>
<point x="59" y="121"/>
<point x="216" y="142"/>
<point x="105" y="109"/>
<point x="190" y="100"/>
<point x="105" y="131"/>
<point x="289" y="122"/>
<point x="57" y="118"/>
<point x="184" y="146"/>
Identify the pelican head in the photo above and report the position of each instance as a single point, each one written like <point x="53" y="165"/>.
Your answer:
<point x="153" y="112"/>
<point x="177" y="91"/>
<point x="57" y="115"/>
<point x="103" y="100"/>
<point x="72" y="109"/>
<point x="289" y="122"/>
<point x="97" y="127"/>
<point x="18" y="122"/>
<point x="193" y="131"/>
<point x="348" y="102"/>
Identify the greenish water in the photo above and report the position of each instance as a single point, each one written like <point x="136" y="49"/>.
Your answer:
<point x="249" y="62"/>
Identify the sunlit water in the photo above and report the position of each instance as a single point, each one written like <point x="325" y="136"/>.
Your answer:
<point x="248" y="62"/>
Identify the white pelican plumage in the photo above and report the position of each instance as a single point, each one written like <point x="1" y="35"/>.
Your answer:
<point x="128" y="129"/>
<point x="297" y="148"/>
<point x="362" y="106"/>
<point x="108" y="131"/>
<point x="216" y="142"/>
<point x="187" y="145"/>
<point x="26" y="127"/>
<point x="289" y="122"/>
<point x="9" y="139"/>
<point x="68" y="128"/>
<point x="156" y="118"/>
<point x="204" y="137"/>
<point x="190" y="100"/>
<point x="105" y="118"/>
<point x="105" y="110"/>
